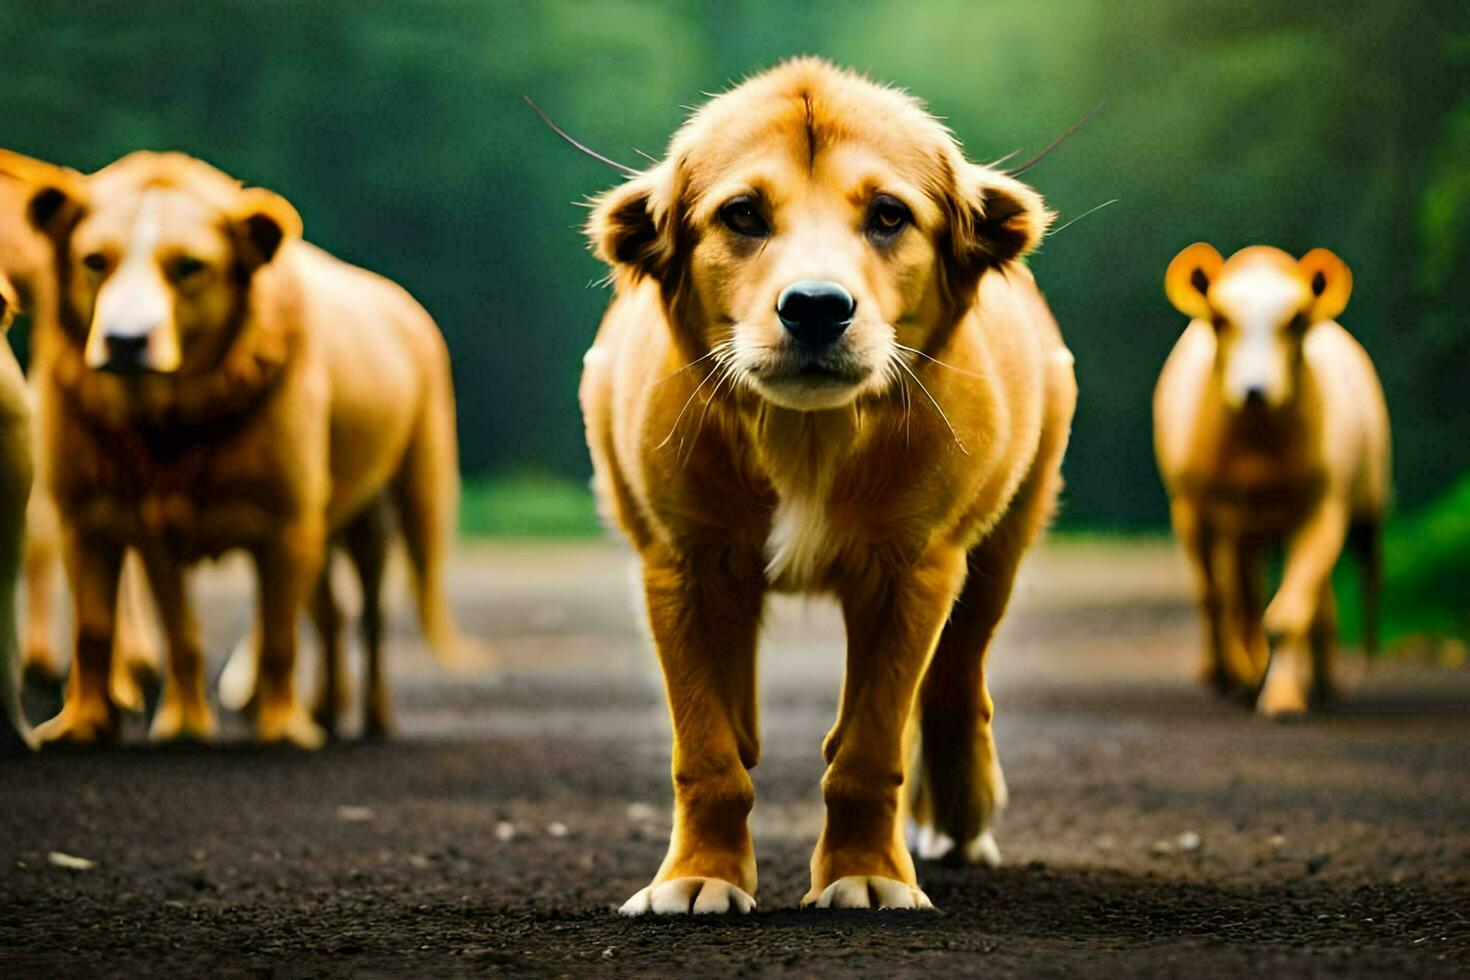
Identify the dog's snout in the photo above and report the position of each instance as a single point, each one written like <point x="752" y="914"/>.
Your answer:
<point x="1255" y="396"/>
<point x="815" y="312"/>
<point x="126" y="351"/>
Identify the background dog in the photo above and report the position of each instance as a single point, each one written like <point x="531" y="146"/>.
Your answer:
<point x="825" y="371"/>
<point x="218" y="383"/>
<point x="25" y="257"/>
<point x="15" y="486"/>
<point x="1270" y="426"/>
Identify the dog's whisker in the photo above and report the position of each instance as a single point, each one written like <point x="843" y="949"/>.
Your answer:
<point x="728" y="372"/>
<point x="713" y="352"/>
<point x="627" y="171"/>
<point x="678" y="418"/>
<point x="995" y="164"/>
<point x="957" y="441"/>
<point x="1057" y="142"/>
<point x="943" y="364"/>
<point x="1080" y="217"/>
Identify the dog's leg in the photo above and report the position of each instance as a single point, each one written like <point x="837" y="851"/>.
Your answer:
<point x="286" y="565"/>
<point x="42" y="569"/>
<point x="1251" y="575"/>
<point x="88" y="715"/>
<point x="326" y="616"/>
<point x="183" y="712"/>
<point x="367" y="542"/>
<point x="1198" y="541"/>
<point x="1289" y="617"/>
<point x="15" y="732"/>
<point x="958" y="766"/>
<point x="135" y="654"/>
<point x="704" y="615"/>
<point x="1236" y="664"/>
<point x="893" y="618"/>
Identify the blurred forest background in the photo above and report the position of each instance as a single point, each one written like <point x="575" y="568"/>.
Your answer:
<point x="399" y="133"/>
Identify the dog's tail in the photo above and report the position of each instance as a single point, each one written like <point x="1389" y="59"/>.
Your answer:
<point x="1365" y="539"/>
<point x="427" y="495"/>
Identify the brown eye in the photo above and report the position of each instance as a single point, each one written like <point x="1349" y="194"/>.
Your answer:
<point x="185" y="267"/>
<point x="742" y="217"/>
<point x="95" y="261"/>
<point x="887" y="216"/>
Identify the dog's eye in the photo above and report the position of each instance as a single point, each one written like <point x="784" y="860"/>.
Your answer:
<point x="887" y="216"/>
<point x="95" y="261"/>
<point x="743" y="218"/>
<point x="185" y="267"/>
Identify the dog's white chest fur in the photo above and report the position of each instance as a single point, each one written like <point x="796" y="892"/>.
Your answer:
<point x="800" y="543"/>
<point x="803" y="454"/>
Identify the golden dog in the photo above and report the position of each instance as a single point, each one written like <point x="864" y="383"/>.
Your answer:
<point x="25" y="257"/>
<point x="1270" y="426"/>
<point x="15" y="486"/>
<point x="219" y="383"/>
<point x="824" y="370"/>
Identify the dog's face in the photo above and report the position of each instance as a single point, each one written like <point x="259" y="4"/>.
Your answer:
<point x="813" y="230"/>
<point x="1261" y="303"/>
<point x="154" y="257"/>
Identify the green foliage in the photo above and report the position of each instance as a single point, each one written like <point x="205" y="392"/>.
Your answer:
<point x="399" y="132"/>
<point x="1427" y="558"/>
<point x="527" y="505"/>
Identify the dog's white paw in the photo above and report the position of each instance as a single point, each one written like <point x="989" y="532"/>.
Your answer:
<point x="870" y="892"/>
<point x="934" y="845"/>
<point x="689" y="896"/>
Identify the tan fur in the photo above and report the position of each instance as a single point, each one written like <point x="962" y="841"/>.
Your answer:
<point x="1306" y="463"/>
<point x="284" y="393"/>
<point x="732" y="475"/>
<point x="25" y="257"/>
<point x="15" y="485"/>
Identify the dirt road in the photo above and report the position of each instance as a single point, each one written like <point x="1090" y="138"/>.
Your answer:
<point x="1153" y="830"/>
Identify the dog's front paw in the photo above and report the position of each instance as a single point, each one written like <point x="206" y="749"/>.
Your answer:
<point x="1282" y="700"/>
<point x="686" y="896"/>
<point x="867" y="892"/>
<point x="935" y="845"/>
<point x="91" y="724"/>
<point x="181" y="721"/>
<point x="289" y="724"/>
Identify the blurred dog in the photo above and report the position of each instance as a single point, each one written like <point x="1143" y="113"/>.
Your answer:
<point x="25" y="256"/>
<point x="219" y="383"/>
<point x="1270" y="426"/>
<point x="824" y="370"/>
<point x="15" y="486"/>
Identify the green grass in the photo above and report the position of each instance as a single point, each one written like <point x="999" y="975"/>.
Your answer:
<point x="527" y="505"/>
<point x="1427" y="570"/>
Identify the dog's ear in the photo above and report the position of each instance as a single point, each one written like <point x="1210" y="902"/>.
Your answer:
<point x="262" y="222"/>
<point x="1188" y="280"/>
<point x="993" y="219"/>
<point x="1330" y="281"/>
<point x="9" y="303"/>
<point x="630" y="225"/>
<point x="58" y="195"/>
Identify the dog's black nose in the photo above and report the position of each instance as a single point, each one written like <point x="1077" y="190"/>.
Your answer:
<point x="1255" y="396"/>
<point x="125" y="352"/>
<point x="816" y="312"/>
